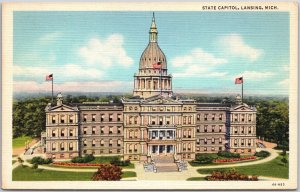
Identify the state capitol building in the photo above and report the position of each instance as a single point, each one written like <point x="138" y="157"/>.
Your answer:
<point x="151" y="123"/>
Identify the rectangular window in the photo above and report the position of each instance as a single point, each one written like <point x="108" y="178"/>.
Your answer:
<point x="84" y="130"/>
<point x="70" y="146"/>
<point x="184" y="120"/>
<point x="249" y="142"/>
<point x="85" y="143"/>
<point x="205" y="148"/>
<point x="119" y="117"/>
<point x="189" y="120"/>
<point x="205" y="140"/>
<point x="93" y="117"/>
<point x="198" y="117"/>
<point x="243" y="130"/>
<point x="249" y="130"/>
<point x="235" y="117"/>
<point x="242" y="142"/>
<point x="235" y="130"/>
<point x="213" y="117"/>
<point x="93" y="143"/>
<point x="243" y="117"/>
<point x="102" y="130"/>
<point x="119" y="130"/>
<point x="119" y="143"/>
<point x="213" y="128"/>
<point x="62" y="133"/>
<point x="205" y="117"/>
<point x="102" y="143"/>
<point x="53" y="146"/>
<point x="71" y="132"/>
<point x="110" y="142"/>
<point x="93" y="130"/>
<point x="198" y="141"/>
<point x="62" y="119"/>
<point x="135" y="120"/>
<point x="110" y="117"/>
<point x="102" y="117"/>
<point x="249" y="117"/>
<point x="220" y="128"/>
<point x="53" y="119"/>
<point x="213" y="149"/>
<point x="190" y="134"/>
<point x="53" y="133"/>
<point x="110" y="130"/>
<point x="62" y="147"/>
<point x="220" y="117"/>
<point x="220" y="140"/>
<point x="198" y="129"/>
<point x="84" y="118"/>
<point x="205" y="128"/>
<point x="235" y="142"/>
<point x="213" y="140"/>
<point x="71" y="119"/>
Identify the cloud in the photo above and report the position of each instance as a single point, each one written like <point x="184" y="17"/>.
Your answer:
<point x="106" y="52"/>
<point x="284" y="83"/>
<point x="255" y="75"/>
<point x="70" y="71"/>
<point x="196" y="63"/>
<point x="103" y="86"/>
<point x="234" y="45"/>
<point x="49" y="37"/>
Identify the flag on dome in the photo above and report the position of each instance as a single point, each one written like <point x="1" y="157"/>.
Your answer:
<point x="157" y="65"/>
<point x="239" y="80"/>
<point x="49" y="77"/>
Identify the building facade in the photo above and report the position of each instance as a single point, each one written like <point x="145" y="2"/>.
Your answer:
<point x="152" y="122"/>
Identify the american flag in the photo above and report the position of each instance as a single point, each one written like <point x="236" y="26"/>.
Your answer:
<point x="157" y="65"/>
<point x="239" y="80"/>
<point x="49" y="77"/>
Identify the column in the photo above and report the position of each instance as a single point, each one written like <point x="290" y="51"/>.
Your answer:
<point x="142" y="134"/>
<point x="142" y="148"/>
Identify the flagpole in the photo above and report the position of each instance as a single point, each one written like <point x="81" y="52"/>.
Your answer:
<point x="242" y="88"/>
<point x="52" y="88"/>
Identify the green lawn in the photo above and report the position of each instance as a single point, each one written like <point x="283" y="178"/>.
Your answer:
<point x="128" y="174"/>
<point x="29" y="174"/>
<point x="274" y="168"/>
<point x="195" y="164"/>
<point x="20" y="141"/>
<point x="196" y="179"/>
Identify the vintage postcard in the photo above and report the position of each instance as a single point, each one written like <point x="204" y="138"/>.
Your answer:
<point x="157" y="96"/>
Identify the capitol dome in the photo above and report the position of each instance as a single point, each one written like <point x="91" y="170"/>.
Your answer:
<point x="153" y="54"/>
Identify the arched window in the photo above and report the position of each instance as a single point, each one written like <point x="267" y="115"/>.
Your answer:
<point x="70" y="146"/>
<point x="102" y="142"/>
<point x="93" y="143"/>
<point x="53" y="146"/>
<point x="62" y="146"/>
<point x="205" y="140"/>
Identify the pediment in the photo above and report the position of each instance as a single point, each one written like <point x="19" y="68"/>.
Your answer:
<point x="161" y="100"/>
<point x="243" y="108"/>
<point x="63" y="108"/>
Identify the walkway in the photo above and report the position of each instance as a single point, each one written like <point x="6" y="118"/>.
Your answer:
<point x="191" y="172"/>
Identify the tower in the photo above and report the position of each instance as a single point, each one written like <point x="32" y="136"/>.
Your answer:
<point x="152" y="77"/>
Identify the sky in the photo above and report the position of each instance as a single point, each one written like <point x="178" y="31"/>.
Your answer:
<point x="100" y="51"/>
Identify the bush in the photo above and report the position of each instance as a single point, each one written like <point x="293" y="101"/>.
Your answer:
<point x="85" y="159"/>
<point x="230" y="175"/>
<point x="108" y="172"/>
<point x="20" y="160"/>
<point x="205" y="158"/>
<point x="118" y="162"/>
<point x="228" y="154"/>
<point x="262" y="154"/>
<point x="35" y="166"/>
<point x="40" y="160"/>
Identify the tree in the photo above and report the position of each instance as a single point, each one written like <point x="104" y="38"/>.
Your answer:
<point x="108" y="172"/>
<point x="284" y="161"/>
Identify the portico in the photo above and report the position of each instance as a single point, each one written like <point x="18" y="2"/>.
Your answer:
<point x="161" y="149"/>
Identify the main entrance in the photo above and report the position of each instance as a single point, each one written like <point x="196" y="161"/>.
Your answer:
<point x="161" y="149"/>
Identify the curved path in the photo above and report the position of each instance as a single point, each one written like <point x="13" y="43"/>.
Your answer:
<point x="191" y="172"/>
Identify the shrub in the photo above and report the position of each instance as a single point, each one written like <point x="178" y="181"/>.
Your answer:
<point x="40" y="160"/>
<point x="205" y="158"/>
<point x="108" y="172"/>
<point x="119" y="162"/>
<point x="283" y="153"/>
<point x="262" y="154"/>
<point x="20" y="160"/>
<point x="35" y="166"/>
<point x="284" y="161"/>
<point x="230" y="175"/>
<point x="228" y="154"/>
<point x="85" y="159"/>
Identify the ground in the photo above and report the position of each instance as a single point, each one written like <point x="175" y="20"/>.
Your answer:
<point x="19" y="144"/>
<point x="270" y="168"/>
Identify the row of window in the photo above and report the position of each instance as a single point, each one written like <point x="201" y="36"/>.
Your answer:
<point x="242" y="117"/>
<point x="243" y="130"/>
<point x="133" y="148"/>
<point x="63" y="133"/>
<point x="63" y="119"/>
<point x="242" y="142"/>
<point x="213" y="117"/>
<point x="95" y="131"/>
<point x="102" y="151"/>
<point x="63" y="146"/>
<point x="102" y="117"/>
<point x="213" y="141"/>
<point x="213" y="129"/>
<point x="187" y="147"/>
<point x="102" y="143"/>
<point x="209" y="149"/>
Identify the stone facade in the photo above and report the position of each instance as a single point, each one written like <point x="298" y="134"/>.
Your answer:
<point x="152" y="122"/>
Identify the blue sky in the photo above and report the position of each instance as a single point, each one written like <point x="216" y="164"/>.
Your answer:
<point x="100" y="51"/>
